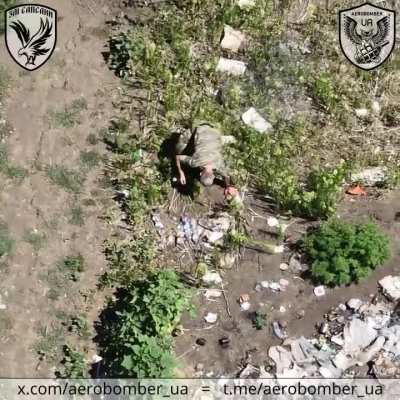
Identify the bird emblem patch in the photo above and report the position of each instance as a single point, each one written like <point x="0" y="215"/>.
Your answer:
<point x="367" y="35"/>
<point x="31" y="34"/>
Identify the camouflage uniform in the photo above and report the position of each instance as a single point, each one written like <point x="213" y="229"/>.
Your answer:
<point x="208" y="143"/>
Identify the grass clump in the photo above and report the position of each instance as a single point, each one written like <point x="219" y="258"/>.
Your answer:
<point x="90" y="159"/>
<point x="4" y="5"/>
<point x="69" y="180"/>
<point x="36" y="239"/>
<point x="7" y="168"/>
<point x="6" y="242"/>
<point x="69" y="116"/>
<point x="137" y="341"/>
<point x="342" y="253"/>
<point x="77" y="216"/>
<point x="72" y="267"/>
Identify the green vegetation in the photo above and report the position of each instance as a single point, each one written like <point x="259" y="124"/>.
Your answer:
<point x="50" y="342"/>
<point x="36" y="239"/>
<point x="259" y="320"/>
<point x="4" y="5"/>
<point x="61" y="277"/>
<point x="129" y="260"/>
<point x="69" y="116"/>
<point x="73" y="365"/>
<point x="77" y="215"/>
<point x="342" y="253"/>
<point x="136" y="337"/>
<point x="69" y="180"/>
<point x="6" y="242"/>
<point x="7" y="168"/>
<point x="90" y="159"/>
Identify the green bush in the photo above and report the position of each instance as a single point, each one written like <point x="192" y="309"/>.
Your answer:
<point x="137" y="340"/>
<point x="342" y="253"/>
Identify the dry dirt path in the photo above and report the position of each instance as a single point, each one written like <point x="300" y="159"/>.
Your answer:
<point x="46" y="221"/>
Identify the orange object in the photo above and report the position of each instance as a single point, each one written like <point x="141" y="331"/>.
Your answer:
<point x="356" y="191"/>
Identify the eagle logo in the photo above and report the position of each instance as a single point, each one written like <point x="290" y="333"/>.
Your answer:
<point x="367" y="34"/>
<point x="31" y="34"/>
<point x="32" y="46"/>
<point x="368" y="45"/>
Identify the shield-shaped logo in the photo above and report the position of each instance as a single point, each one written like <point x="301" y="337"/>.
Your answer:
<point x="31" y="34"/>
<point x="367" y="35"/>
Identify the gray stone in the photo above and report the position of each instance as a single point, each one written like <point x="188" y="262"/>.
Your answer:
<point x="391" y="287"/>
<point x="357" y="336"/>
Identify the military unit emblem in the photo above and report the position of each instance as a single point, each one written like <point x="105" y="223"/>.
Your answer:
<point x="367" y="34"/>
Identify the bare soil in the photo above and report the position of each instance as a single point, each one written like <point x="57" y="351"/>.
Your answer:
<point x="76" y="70"/>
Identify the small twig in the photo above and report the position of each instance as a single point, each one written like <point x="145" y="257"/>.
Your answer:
<point x="228" y="310"/>
<point x="187" y="352"/>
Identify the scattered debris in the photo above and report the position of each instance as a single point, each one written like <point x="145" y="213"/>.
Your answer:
<point x="391" y="287"/>
<point x="272" y="221"/>
<point x="250" y="371"/>
<point x="212" y="293"/>
<point x="283" y="267"/>
<point x="227" y="260"/>
<point x="233" y="40"/>
<point x="96" y="358"/>
<point x="201" y="341"/>
<point x="361" y="112"/>
<point x="283" y="283"/>
<point x="212" y="278"/>
<point x="278" y="331"/>
<point x="224" y="342"/>
<point x="211" y="318"/>
<point x="354" y="304"/>
<point x="253" y="119"/>
<point x="246" y="3"/>
<point x="244" y="298"/>
<point x="214" y="236"/>
<point x="233" y="67"/>
<point x="319" y="291"/>
<point x="282" y="309"/>
<point x="157" y="223"/>
<point x="370" y="176"/>
<point x="376" y="107"/>
<point x="245" y="306"/>
<point x="356" y="191"/>
<point x="279" y="249"/>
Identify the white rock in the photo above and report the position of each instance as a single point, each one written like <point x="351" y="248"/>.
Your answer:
<point x="245" y="306"/>
<point x="370" y="176"/>
<point x="357" y="336"/>
<point x="274" y="286"/>
<point x="342" y="307"/>
<point x="265" y="284"/>
<point x="246" y="3"/>
<point x="272" y="221"/>
<point x="282" y="309"/>
<point x="211" y="318"/>
<point x="319" y="291"/>
<point x="233" y="40"/>
<point x="391" y="286"/>
<point x="212" y="278"/>
<point x="337" y="340"/>
<point x="279" y="249"/>
<point x="96" y="359"/>
<point x="283" y="267"/>
<point x="214" y="236"/>
<point x="354" y="304"/>
<point x="376" y="107"/>
<point x="253" y="119"/>
<point x="212" y="293"/>
<point x="361" y="112"/>
<point x="233" y="67"/>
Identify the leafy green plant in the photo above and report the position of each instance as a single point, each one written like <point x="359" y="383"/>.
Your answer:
<point x="72" y="267"/>
<point x="137" y="342"/>
<point x="342" y="253"/>
<point x="73" y="365"/>
<point x="259" y="320"/>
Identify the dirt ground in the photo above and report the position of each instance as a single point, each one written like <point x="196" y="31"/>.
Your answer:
<point x="76" y="71"/>
<point x="303" y="310"/>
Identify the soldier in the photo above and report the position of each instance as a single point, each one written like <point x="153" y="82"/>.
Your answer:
<point x="207" y="155"/>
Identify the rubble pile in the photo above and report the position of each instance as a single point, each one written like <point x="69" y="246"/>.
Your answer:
<point x="356" y="339"/>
